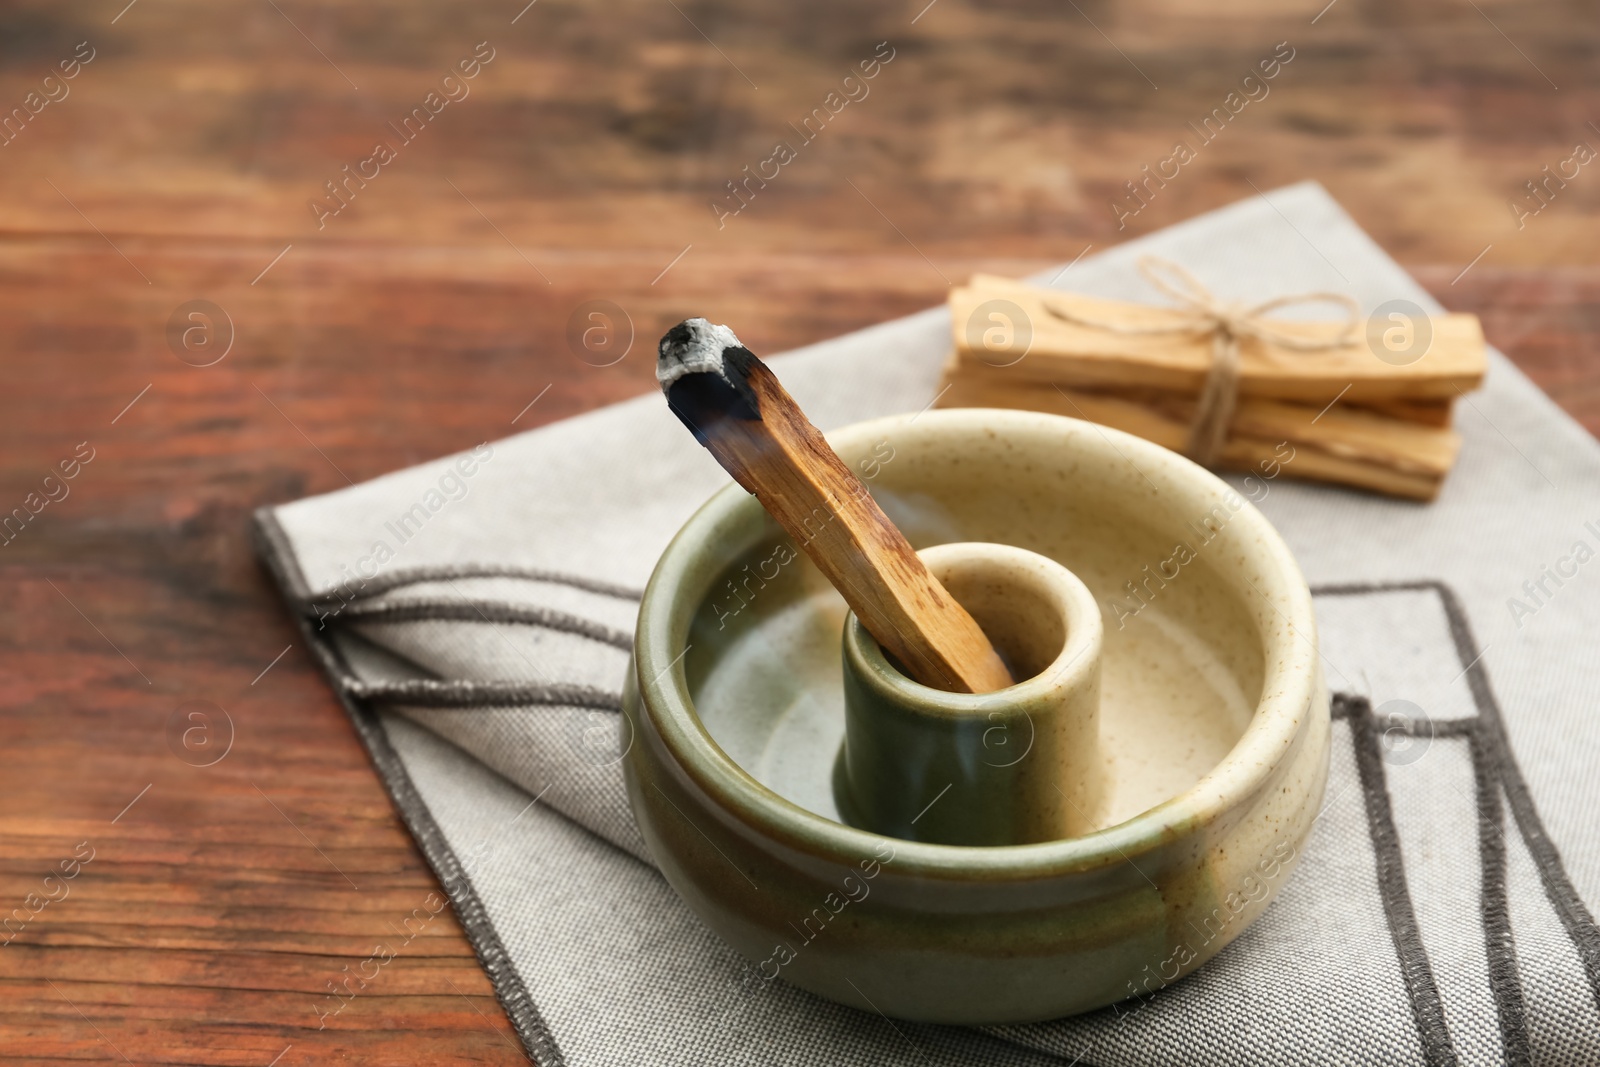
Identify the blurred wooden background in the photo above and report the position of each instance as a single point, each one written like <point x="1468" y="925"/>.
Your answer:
<point x="178" y="165"/>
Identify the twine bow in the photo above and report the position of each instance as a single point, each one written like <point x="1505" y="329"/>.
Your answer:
<point x="1227" y="323"/>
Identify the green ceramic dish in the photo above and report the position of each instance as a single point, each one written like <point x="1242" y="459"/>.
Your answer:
<point x="1213" y="732"/>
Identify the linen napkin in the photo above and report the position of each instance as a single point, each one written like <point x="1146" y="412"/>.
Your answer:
<point x="474" y="614"/>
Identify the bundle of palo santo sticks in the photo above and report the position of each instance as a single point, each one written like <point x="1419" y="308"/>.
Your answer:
<point x="1347" y="415"/>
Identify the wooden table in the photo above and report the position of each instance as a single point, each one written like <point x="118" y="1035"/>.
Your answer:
<point x="432" y="312"/>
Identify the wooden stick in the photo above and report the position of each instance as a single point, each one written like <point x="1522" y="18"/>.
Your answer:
<point x="1242" y="450"/>
<point x="1437" y="413"/>
<point x="1352" y="432"/>
<point x="1065" y="353"/>
<point x="1422" y="411"/>
<point x="735" y="407"/>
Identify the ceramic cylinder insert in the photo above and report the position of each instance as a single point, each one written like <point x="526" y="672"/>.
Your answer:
<point x="1012" y="767"/>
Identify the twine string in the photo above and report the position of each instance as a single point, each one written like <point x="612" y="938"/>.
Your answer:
<point x="1227" y="323"/>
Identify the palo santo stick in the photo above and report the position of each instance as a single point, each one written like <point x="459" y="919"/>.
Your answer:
<point x="1241" y="451"/>
<point x="1425" y="412"/>
<point x="1421" y="412"/>
<point x="1337" y="430"/>
<point x="735" y="407"/>
<point x="1071" y="354"/>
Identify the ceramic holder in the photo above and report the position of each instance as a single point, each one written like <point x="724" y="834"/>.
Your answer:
<point x="1012" y="767"/>
<point x="1213" y="721"/>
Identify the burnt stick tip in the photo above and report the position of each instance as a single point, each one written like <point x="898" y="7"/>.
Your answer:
<point x="704" y="370"/>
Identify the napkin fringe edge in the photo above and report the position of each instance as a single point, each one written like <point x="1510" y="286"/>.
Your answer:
<point x="539" y="1044"/>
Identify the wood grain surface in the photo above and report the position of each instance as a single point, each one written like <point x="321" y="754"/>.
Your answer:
<point x="445" y="303"/>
